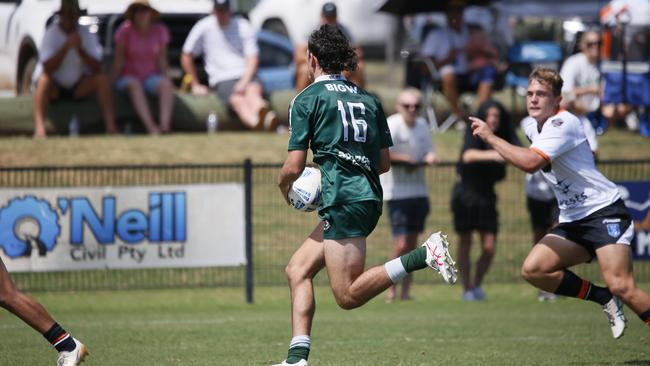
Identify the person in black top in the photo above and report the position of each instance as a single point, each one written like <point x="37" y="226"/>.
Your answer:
<point x="473" y="200"/>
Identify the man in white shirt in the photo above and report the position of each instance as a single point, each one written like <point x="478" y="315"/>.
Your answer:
<point x="594" y="221"/>
<point x="581" y="90"/>
<point x="447" y="47"/>
<point x="70" y="66"/>
<point x="230" y="54"/>
<point x="405" y="189"/>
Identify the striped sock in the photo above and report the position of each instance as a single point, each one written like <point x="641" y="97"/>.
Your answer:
<point x="574" y="286"/>
<point x="645" y="317"/>
<point x="59" y="338"/>
<point x="298" y="349"/>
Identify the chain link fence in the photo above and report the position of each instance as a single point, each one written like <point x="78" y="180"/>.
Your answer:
<point x="278" y="230"/>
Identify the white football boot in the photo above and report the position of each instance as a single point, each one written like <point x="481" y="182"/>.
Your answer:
<point x="299" y="363"/>
<point x="74" y="357"/>
<point x="438" y="257"/>
<point x="614" y="312"/>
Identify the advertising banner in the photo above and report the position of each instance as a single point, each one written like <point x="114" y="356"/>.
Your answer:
<point x="60" y="229"/>
<point x="637" y="199"/>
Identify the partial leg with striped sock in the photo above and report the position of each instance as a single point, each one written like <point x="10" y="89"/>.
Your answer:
<point x="59" y="338"/>
<point x="574" y="286"/>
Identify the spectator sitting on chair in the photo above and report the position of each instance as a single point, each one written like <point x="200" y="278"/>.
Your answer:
<point x="447" y="47"/>
<point x="230" y="54"/>
<point x="404" y="186"/>
<point x="70" y="66"/>
<point x="581" y="91"/>
<point x="329" y="15"/>
<point x="140" y="64"/>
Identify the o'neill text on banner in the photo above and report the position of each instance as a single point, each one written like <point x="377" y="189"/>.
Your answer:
<point x="122" y="227"/>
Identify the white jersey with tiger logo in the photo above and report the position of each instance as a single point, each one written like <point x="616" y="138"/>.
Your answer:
<point x="580" y="189"/>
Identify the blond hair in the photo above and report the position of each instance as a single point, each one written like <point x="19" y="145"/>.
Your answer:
<point x="547" y="77"/>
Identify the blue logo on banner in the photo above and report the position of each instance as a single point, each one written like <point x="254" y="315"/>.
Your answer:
<point x="637" y="199"/>
<point x="20" y="211"/>
<point x="165" y="221"/>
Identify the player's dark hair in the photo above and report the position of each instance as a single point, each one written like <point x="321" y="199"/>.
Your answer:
<point x="332" y="50"/>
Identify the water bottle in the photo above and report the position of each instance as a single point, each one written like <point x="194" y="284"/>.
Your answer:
<point x="212" y="123"/>
<point x="73" y="126"/>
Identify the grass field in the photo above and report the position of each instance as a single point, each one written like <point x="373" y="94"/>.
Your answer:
<point x="216" y="327"/>
<point x="227" y="147"/>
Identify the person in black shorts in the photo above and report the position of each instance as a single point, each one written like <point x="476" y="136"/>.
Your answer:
<point x="473" y="200"/>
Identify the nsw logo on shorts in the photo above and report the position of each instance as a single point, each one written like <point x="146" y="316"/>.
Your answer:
<point x="613" y="227"/>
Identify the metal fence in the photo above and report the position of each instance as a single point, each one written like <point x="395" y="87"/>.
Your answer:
<point x="277" y="230"/>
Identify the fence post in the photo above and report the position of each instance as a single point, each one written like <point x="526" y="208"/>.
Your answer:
<point x="248" y="222"/>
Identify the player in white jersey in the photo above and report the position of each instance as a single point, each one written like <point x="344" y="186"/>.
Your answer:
<point x="594" y="221"/>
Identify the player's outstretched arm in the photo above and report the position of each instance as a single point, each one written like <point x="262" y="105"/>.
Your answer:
<point x="521" y="157"/>
<point x="291" y="170"/>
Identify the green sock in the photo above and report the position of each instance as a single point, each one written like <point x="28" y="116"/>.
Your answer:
<point x="297" y="353"/>
<point x="414" y="260"/>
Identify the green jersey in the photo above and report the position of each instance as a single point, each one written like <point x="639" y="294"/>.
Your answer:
<point x="346" y="128"/>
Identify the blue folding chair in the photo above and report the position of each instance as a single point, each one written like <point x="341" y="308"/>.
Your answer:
<point x="523" y="57"/>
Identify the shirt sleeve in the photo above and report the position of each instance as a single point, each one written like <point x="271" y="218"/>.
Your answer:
<point x="164" y="34"/>
<point x="385" y="139"/>
<point x="194" y="41"/>
<point x="299" y="126"/>
<point x="90" y="43"/>
<point x="556" y="138"/>
<point x="249" y="39"/>
<point x="121" y="33"/>
<point x="435" y="45"/>
<point x="48" y="46"/>
<point x="567" y="72"/>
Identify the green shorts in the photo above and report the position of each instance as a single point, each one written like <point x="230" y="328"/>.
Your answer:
<point x="350" y="220"/>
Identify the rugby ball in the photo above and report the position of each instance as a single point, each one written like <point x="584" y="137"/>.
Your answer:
<point x="305" y="193"/>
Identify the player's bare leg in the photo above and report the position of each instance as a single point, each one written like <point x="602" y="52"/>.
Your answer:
<point x="304" y="264"/>
<point x="352" y="287"/>
<point x="35" y="315"/>
<point x="616" y="266"/>
<point x="546" y="268"/>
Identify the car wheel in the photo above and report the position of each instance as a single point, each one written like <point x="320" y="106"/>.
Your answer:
<point x="25" y="81"/>
<point x="275" y="26"/>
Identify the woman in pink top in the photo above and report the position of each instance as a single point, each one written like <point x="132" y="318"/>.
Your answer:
<point x="140" y="64"/>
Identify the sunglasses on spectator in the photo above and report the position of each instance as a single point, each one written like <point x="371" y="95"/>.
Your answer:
<point x="411" y="106"/>
<point x="593" y="44"/>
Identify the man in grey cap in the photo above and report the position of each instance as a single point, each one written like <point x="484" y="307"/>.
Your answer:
<point x="328" y="15"/>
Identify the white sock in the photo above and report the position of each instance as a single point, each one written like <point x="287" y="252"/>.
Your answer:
<point x="395" y="270"/>
<point x="300" y="341"/>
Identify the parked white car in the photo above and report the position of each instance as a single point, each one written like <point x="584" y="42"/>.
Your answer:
<point x="296" y="19"/>
<point x="23" y="22"/>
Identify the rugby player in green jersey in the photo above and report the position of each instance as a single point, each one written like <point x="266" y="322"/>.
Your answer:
<point x="346" y="129"/>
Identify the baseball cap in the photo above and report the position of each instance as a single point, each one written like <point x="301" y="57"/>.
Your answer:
<point x="222" y="4"/>
<point x="329" y="9"/>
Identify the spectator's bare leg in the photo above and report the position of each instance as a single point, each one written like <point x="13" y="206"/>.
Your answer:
<point x="488" y="248"/>
<point x="99" y="84"/>
<point x="302" y="73"/>
<point x="464" y="245"/>
<point x="166" y="104"/>
<point x="249" y="105"/>
<point x="42" y="96"/>
<point x="450" y="90"/>
<point x="484" y="92"/>
<point x="141" y="106"/>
